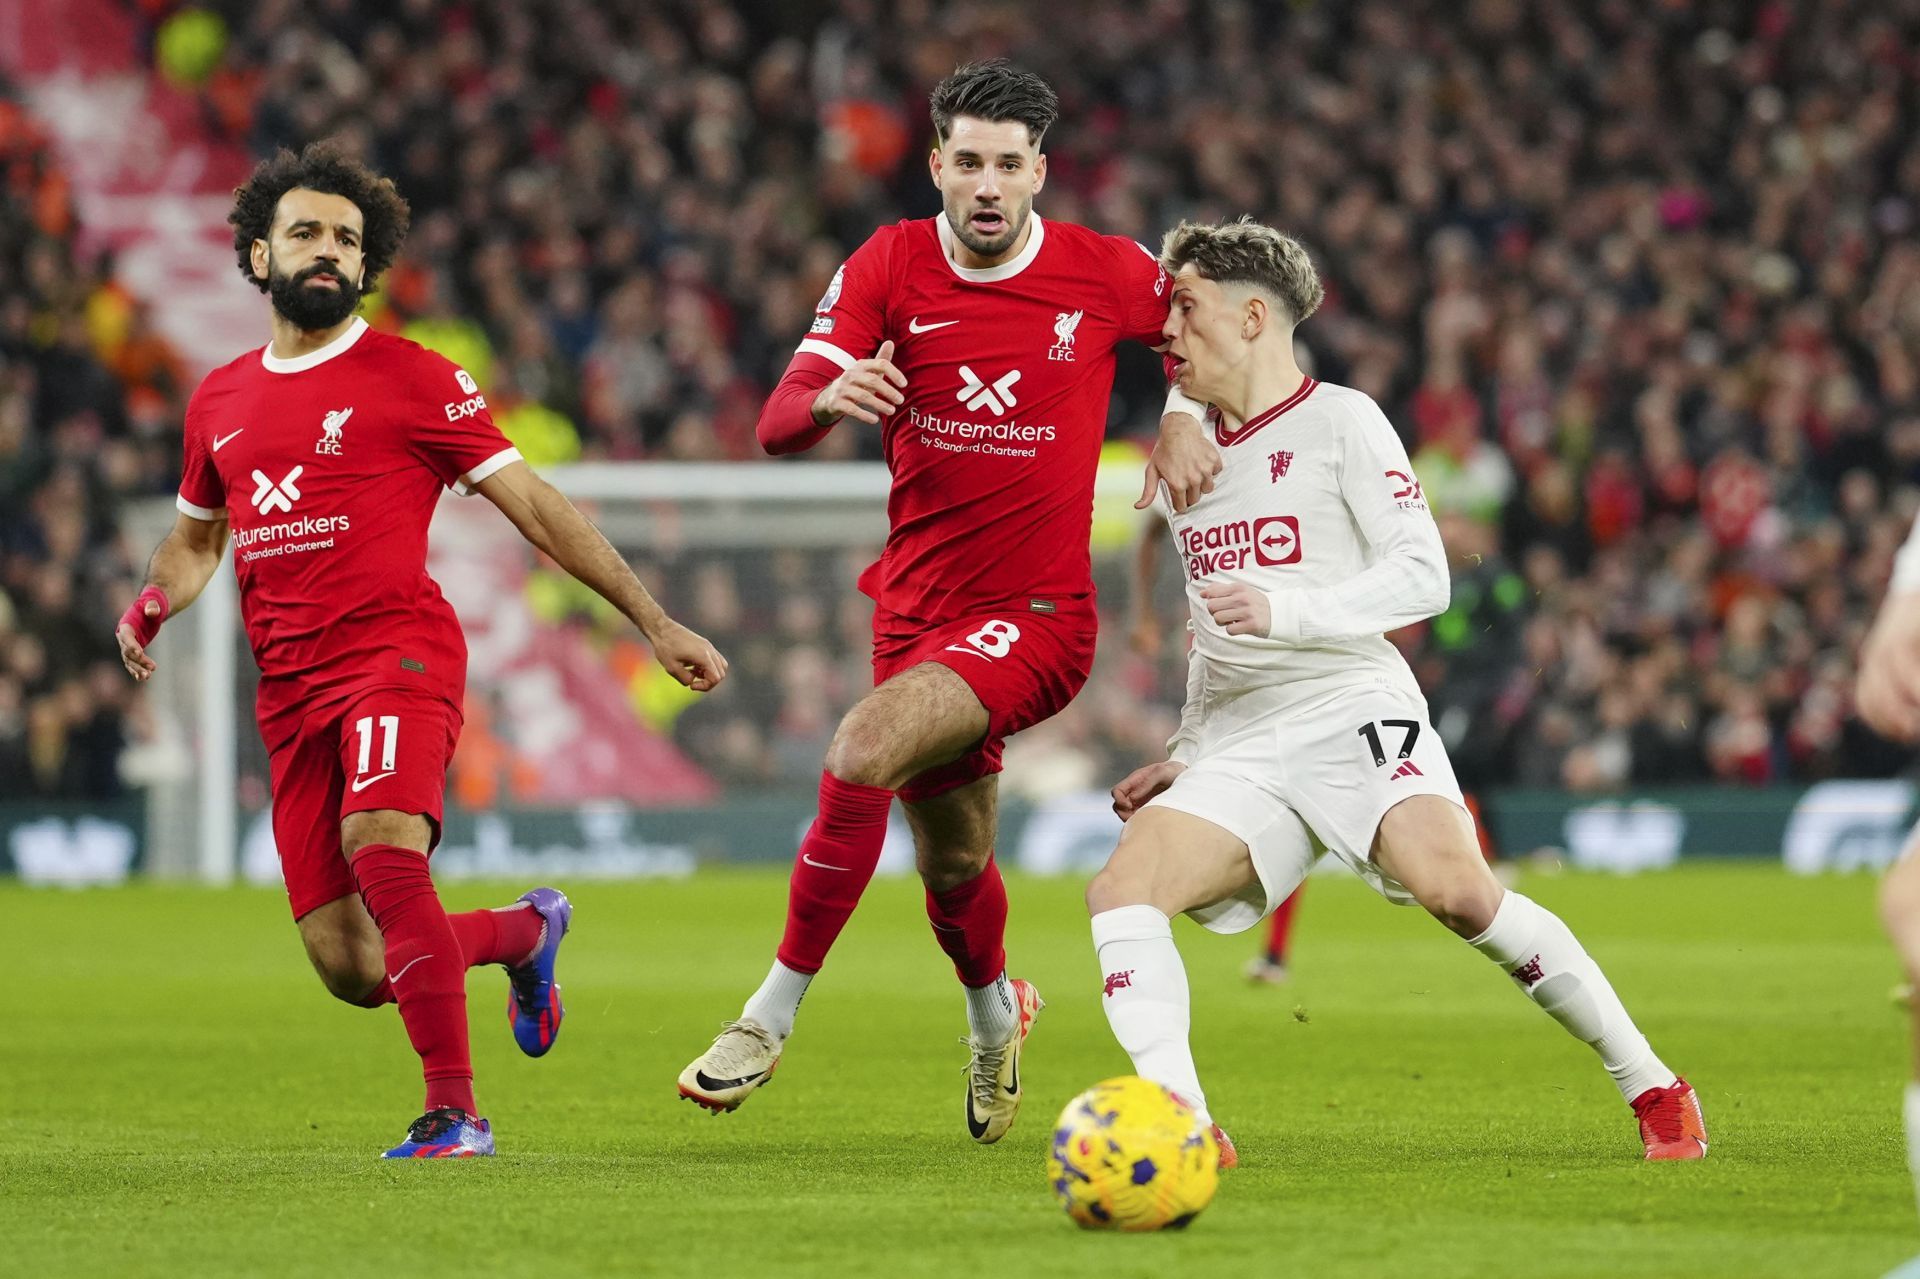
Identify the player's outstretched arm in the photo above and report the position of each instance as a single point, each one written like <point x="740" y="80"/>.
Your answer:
<point x="1888" y="692"/>
<point x="547" y="519"/>
<point x="182" y="565"/>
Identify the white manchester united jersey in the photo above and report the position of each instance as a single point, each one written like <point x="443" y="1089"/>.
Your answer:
<point x="1318" y="507"/>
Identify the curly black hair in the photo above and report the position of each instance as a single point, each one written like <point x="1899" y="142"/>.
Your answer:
<point x="994" y="90"/>
<point x="324" y="167"/>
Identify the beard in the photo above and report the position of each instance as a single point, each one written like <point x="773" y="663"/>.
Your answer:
<point x="311" y="307"/>
<point x="1014" y="221"/>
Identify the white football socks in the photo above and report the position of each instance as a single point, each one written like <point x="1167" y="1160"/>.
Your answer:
<point x="1533" y="947"/>
<point x="778" y="999"/>
<point x="1146" y="997"/>
<point x="992" y="1012"/>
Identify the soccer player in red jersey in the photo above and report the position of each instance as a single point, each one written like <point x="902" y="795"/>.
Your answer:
<point x="321" y="457"/>
<point x="984" y="340"/>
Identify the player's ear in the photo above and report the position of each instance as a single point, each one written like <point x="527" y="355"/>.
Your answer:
<point x="259" y="256"/>
<point x="1039" y="172"/>
<point x="933" y="163"/>
<point x="1254" y="318"/>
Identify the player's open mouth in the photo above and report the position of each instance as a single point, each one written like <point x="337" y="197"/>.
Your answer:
<point x="988" y="223"/>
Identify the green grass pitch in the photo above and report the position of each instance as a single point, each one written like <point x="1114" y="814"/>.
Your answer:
<point x="178" y="1095"/>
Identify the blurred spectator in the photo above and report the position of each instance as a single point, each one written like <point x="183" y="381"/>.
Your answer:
<point x="1637" y="281"/>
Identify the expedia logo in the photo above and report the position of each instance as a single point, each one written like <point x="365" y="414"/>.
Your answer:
<point x="1273" y="541"/>
<point x="466" y="408"/>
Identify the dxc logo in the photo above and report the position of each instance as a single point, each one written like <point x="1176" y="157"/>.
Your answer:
<point x="269" y="497"/>
<point x="998" y="397"/>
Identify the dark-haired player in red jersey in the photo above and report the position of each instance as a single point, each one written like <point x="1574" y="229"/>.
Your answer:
<point x="984" y="340"/>
<point x="321" y="457"/>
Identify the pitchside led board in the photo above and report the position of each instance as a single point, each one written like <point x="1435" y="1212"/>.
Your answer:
<point x="1832" y="826"/>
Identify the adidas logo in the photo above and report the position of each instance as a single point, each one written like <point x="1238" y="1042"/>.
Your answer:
<point x="1406" y="769"/>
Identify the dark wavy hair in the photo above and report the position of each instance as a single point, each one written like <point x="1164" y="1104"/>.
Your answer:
<point x="324" y="167"/>
<point x="993" y="91"/>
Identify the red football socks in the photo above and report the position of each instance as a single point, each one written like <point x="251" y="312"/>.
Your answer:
<point x="836" y="862"/>
<point x="426" y="967"/>
<point x="497" y="936"/>
<point x="970" y="923"/>
<point x="1280" y="929"/>
<point x="486" y="937"/>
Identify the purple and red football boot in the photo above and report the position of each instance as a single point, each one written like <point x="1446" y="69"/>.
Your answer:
<point x="445" y="1134"/>
<point x="533" y="1006"/>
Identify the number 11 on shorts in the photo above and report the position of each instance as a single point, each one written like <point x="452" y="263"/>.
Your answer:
<point x="389" y="742"/>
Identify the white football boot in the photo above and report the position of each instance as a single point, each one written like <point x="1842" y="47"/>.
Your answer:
<point x="993" y="1076"/>
<point x="742" y="1058"/>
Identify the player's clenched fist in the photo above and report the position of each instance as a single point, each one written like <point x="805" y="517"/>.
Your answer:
<point x="1239" y="609"/>
<point x="689" y="658"/>
<point x="1889" y="689"/>
<point x="1142" y="784"/>
<point x="867" y="391"/>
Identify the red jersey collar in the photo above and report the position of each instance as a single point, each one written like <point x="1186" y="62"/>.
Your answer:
<point x="1252" y="424"/>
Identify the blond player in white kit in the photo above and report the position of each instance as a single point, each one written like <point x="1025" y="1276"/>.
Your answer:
<point x="1304" y="730"/>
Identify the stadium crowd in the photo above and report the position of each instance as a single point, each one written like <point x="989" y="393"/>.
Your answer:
<point x="1637" y="282"/>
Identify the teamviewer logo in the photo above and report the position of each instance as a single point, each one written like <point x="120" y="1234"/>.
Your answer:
<point x="269" y="497"/>
<point x="997" y="397"/>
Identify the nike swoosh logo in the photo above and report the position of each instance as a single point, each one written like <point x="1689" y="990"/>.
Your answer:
<point x="914" y="325"/>
<point x="362" y="783"/>
<point x="959" y="648"/>
<point x="1013" y="1084"/>
<point x="975" y="1125"/>
<point x="394" y="977"/>
<point x="808" y="859"/>
<point x="711" y="1084"/>
<point x="219" y="440"/>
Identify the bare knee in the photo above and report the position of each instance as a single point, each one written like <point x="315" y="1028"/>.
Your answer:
<point x="858" y="754"/>
<point x="1465" y="904"/>
<point x="1116" y="885"/>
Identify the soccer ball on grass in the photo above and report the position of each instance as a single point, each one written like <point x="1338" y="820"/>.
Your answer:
<point x="1129" y="1155"/>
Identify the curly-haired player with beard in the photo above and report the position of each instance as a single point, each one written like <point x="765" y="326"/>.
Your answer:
<point x="321" y="457"/>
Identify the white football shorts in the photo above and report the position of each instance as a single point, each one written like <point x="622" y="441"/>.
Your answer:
<point x="1295" y="780"/>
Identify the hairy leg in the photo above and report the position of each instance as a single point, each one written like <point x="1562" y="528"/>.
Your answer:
<point x="921" y="718"/>
<point x="345" y="948"/>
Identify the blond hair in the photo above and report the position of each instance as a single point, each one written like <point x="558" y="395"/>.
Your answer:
<point x="1247" y="252"/>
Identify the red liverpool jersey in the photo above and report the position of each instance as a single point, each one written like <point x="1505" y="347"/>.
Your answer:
<point x="1009" y="370"/>
<point x="328" y="466"/>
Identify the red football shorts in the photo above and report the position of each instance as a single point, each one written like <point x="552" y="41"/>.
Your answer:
<point x="382" y="748"/>
<point x="1024" y="662"/>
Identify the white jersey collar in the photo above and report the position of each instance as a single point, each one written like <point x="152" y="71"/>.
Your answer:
<point x="339" y="346"/>
<point x="990" y="274"/>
